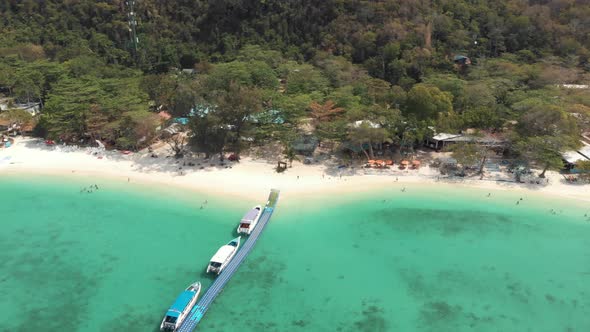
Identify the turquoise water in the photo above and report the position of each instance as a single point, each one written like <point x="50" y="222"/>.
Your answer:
<point x="437" y="259"/>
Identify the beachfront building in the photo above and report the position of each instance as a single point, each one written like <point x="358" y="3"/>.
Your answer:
<point x="440" y="141"/>
<point x="572" y="158"/>
<point x="32" y="108"/>
<point x="443" y="140"/>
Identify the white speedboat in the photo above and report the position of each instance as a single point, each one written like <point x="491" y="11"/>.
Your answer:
<point x="223" y="256"/>
<point x="181" y="307"/>
<point x="250" y="220"/>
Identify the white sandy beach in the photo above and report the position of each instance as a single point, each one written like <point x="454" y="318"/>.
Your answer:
<point x="248" y="178"/>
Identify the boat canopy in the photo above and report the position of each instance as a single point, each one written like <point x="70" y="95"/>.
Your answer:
<point x="180" y="304"/>
<point x="222" y="254"/>
<point x="250" y="216"/>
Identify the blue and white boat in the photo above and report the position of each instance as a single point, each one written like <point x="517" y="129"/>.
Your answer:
<point x="223" y="256"/>
<point x="181" y="307"/>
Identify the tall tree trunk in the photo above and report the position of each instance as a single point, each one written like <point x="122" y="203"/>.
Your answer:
<point x="371" y="150"/>
<point x="542" y="175"/>
<point x="237" y="149"/>
<point x="364" y="151"/>
<point x="483" y="161"/>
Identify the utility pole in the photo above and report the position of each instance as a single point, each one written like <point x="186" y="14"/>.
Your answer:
<point x="131" y="19"/>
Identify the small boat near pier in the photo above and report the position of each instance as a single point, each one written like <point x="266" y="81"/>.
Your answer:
<point x="250" y="220"/>
<point x="181" y="308"/>
<point x="223" y="256"/>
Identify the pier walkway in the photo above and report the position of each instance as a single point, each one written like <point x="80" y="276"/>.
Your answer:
<point x="201" y="307"/>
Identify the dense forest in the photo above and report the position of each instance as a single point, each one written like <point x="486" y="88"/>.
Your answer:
<point x="273" y="69"/>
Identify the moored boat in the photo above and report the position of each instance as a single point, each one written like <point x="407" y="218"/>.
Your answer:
<point x="181" y="307"/>
<point x="250" y="220"/>
<point x="223" y="256"/>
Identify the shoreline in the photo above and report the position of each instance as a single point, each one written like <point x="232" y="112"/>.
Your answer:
<point x="249" y="178"/>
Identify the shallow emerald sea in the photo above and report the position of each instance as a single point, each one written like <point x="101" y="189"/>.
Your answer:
<point x="427" y="259"/>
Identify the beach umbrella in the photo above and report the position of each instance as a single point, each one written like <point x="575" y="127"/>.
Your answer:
<point x="405" y="162"/>
<point x="416" y="162"/>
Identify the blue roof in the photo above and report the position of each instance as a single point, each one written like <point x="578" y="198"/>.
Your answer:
<point x="171" y="313"/>
<point x="183" y="121"/>
<point x="181" y="302"/>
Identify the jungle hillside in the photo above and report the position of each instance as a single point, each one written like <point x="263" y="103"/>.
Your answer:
<point x="355" y="73"/>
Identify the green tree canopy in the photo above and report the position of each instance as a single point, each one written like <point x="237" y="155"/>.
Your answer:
<point x="426" y="101"/>
<point x="584" y="170"/>
<point x="543" y="151"/>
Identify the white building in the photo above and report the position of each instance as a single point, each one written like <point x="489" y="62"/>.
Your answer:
<point x="33" y="108"/>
